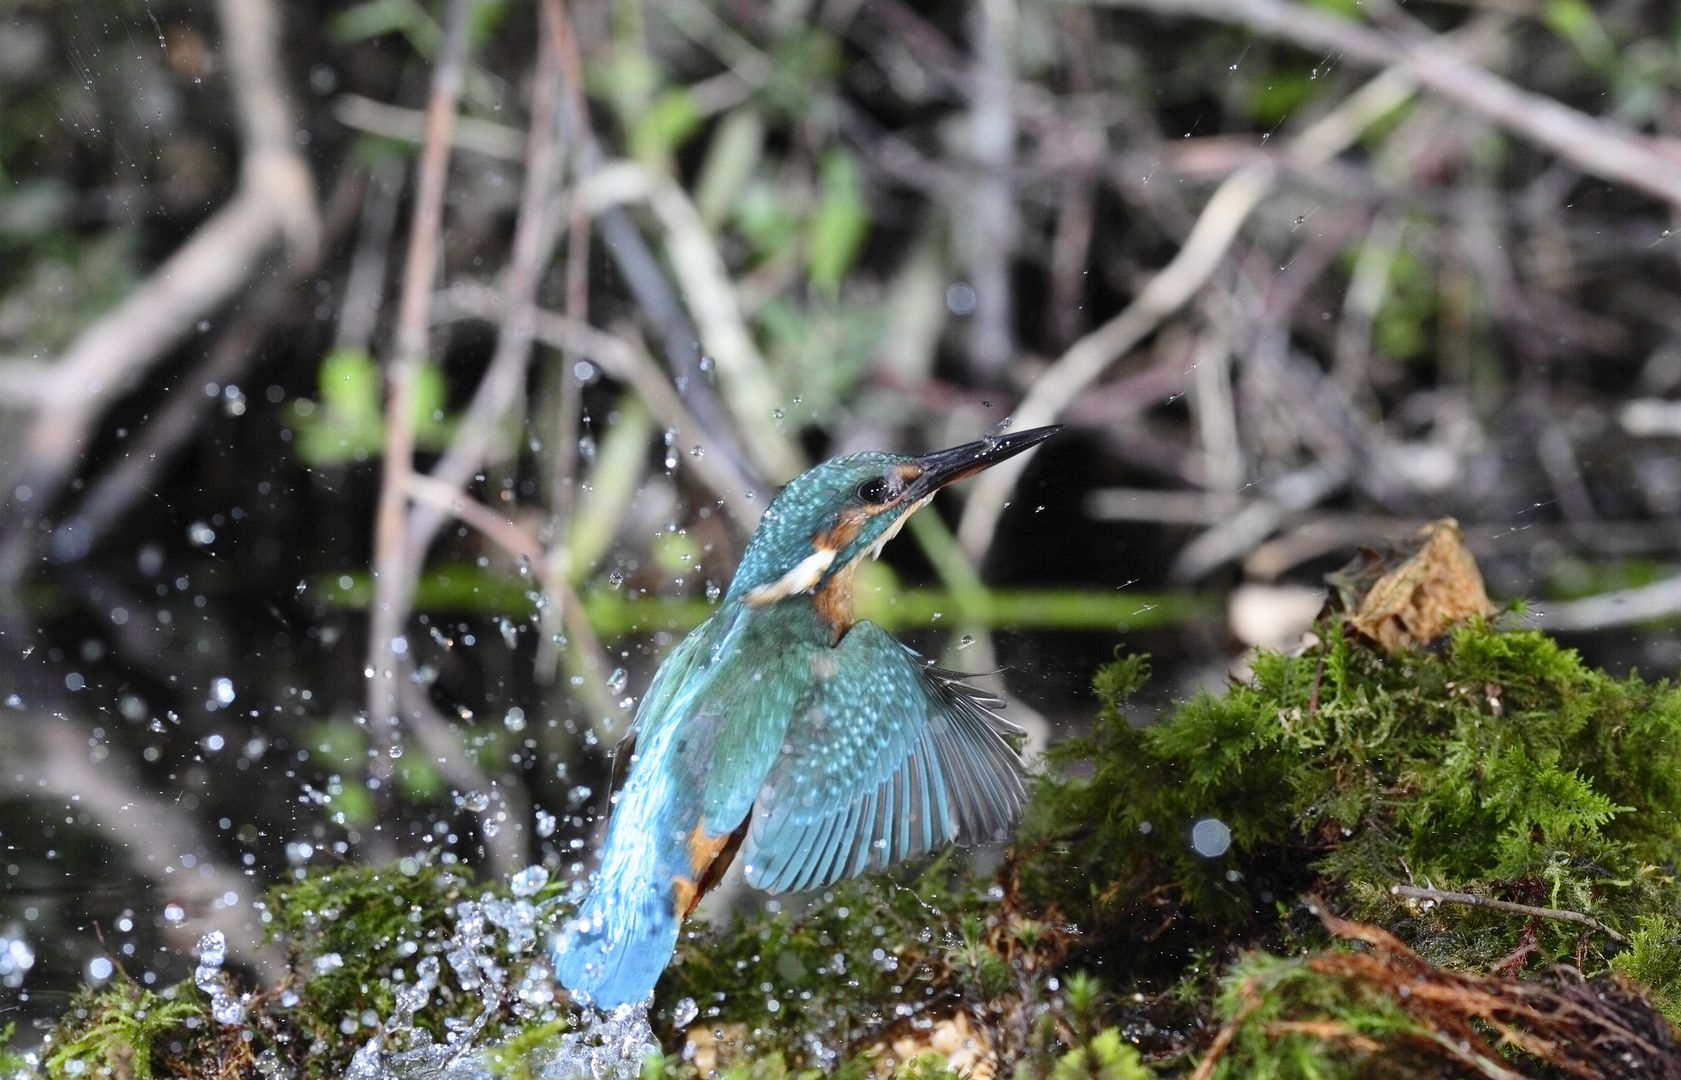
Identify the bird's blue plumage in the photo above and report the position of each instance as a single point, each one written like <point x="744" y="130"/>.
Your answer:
<point x="824" y="747"/>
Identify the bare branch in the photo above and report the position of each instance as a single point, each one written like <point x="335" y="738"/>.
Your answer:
<point x="153" y="832"/>
<point x="626" y="361"/>
<point x="275" y="199"/>
<point x="392" y="568"/>
<point x="1414" y="892"/>
<point x="409" y="125"/>
<point x="504" y="379"/>
<point x="1597" y="146"/>
<point x="991" y="227"/>
<point x="1089" y="357"/>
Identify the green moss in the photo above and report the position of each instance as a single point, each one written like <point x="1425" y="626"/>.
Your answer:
<point x="1653" y="959"/>
<point x="1291" y="1022"/>
<point x="1501" y="764"/>
<point x="117" y="1030"/>
<point x="358" y="933"/>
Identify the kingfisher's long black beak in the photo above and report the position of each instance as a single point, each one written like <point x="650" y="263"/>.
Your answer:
<point x="944" y="467"/>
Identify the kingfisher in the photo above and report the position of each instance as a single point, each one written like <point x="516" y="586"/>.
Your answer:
<point x="815" y="745"/>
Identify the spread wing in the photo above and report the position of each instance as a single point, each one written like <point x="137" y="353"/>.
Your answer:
<point x="885" y="758"/>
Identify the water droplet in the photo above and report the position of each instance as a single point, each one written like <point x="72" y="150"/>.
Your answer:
<point x="615" y="579"/>
<point x="530" y="881"/>
<point x="776" y="414"/>
<point x="586" y="449"/>
<point x="1210" y="837"/>
<point x="616" y="681"/>
<point x="713" y="591"/>
<point x="965" y="641"/>
<point x="683" y="1013"/>
<point x="697" y="451"/>
<point x="476" y="801"/>
<point x="515" y="719"/>
<point x="546" y="823"/>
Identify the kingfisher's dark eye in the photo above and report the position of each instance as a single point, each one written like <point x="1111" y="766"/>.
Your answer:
<point x="874" y="490"/>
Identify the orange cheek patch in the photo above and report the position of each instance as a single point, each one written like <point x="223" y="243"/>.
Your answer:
<point x="845" y="530"/>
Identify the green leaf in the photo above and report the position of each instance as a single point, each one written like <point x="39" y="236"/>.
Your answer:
<point x="375" y="18"/>
<point x="840" y="223"/>
<point x="351" y="385"/>
<point x="666" y="125"/>
<point x="731" y="157"/>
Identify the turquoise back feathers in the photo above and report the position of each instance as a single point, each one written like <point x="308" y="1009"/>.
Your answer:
<point x="819" y="747"/>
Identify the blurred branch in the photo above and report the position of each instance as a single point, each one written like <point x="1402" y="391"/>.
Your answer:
<point x="504" y="379"/>
<point x="1366" y="288"/>
<point x="172" y="428"/>
<point x="275" y="200"/>
<point x="991" y="226"/>
<point x="1623" y="607"/>
<point x="1597" y="146"/>
<point x="393" y="568"/>
<point x="409" y="125"/>
<point x="1087" y="358"/>
<point x="1239" y="533"/>
<point x="749" y="392"/>
<point x="624" y="360"/>
<point x="153" y="832"/>
<point x="364" y="286"/>
<point x="648" y="285"/>
<point x="433" y="734"/>
<point x="531" y="554"/>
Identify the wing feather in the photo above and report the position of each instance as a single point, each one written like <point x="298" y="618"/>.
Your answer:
<point x="892" y="758"/>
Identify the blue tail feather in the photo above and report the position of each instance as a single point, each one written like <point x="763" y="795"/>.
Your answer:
<point x="616" y="947"/>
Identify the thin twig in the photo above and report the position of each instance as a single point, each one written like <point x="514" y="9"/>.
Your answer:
<point x="529" y="551"/>
<point x="653" y="294"/>
<point x="1059" y="386"/>
<point x="392" y="568"/>
<point x="504" y="379"/>
<point x="409" y="125"/>
<point x="1165" y="293"/>
<point x="991" y="227"/>
<point x="364" y="286"/>
<point x="626" y="361"/>
<point x="1597" y="146"/>
<point x="1415" y="892"/>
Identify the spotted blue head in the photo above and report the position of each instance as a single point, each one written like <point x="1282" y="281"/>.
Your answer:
<point x="819" y="528"/>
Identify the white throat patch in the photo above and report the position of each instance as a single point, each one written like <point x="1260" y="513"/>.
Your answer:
<point x="802" y="578"/>
<point x="893" y="530"/>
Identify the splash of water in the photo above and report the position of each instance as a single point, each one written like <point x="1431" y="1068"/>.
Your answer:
<point x="226" y="1007"/>
<point x="609" y="1046"/>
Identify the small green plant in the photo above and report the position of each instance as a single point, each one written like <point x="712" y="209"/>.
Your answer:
<point x="115" y="1029"/>
<point x="347" y="423"/>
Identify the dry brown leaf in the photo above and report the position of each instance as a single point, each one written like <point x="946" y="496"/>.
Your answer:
<point x="1408" y="597"/>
